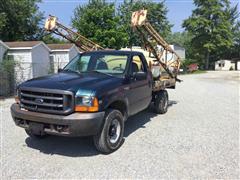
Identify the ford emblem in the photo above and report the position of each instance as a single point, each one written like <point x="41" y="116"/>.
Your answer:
<point x="39" y="101"/>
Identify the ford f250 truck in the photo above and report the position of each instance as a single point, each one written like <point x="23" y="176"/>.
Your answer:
<point x="92" y="96"/>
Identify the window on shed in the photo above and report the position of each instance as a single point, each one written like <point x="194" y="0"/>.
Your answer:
<point x="51" y="64"/>
<point x="11" y="57"/>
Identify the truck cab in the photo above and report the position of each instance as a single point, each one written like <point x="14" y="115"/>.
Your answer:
<point x="93" y="95"/>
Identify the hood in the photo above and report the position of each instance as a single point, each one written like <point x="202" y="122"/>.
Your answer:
<point x="72" y="81"/>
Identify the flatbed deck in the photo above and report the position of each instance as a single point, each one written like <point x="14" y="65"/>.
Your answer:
<point x="163" y="83"/>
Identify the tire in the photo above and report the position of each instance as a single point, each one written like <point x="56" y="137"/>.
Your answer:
<point x="32" y="135"/>
<point x="110" y="138"/>
<point x="161" y="102"/>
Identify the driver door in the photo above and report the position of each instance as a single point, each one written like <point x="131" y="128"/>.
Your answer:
<point x="140" y="89"/>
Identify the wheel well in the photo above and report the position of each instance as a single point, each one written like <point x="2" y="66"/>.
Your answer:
<point x="119" y="105"/>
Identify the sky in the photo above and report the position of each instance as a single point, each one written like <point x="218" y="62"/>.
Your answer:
<point x="178" y="10"/>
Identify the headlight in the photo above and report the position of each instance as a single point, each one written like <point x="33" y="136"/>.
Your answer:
<point x="86" y="100"/>
<point x="86" y="104"/>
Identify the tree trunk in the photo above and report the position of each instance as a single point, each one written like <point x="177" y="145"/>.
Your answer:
<point x="207" y="60"/>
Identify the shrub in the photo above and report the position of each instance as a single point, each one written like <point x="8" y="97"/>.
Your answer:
<point x="7" y="66"/>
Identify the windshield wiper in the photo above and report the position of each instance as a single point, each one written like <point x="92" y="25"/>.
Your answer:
<point x="96" y="71"/>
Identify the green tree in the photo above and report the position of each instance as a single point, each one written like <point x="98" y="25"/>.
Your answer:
<point x="179" y="38"/>
<point x="19" y="20"/>
<point x="157" y="16"/>
<point x="235" y="24"/>
<point x="211" y="28"/>
<point x="2" y="21"/>
<point x="98" y="21"/>
<point x="50" y="39"/>
<point x="7" y="75"/>
<point x="235" y="53"/>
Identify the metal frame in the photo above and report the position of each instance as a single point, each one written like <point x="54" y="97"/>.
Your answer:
<point x="145" y="30"/>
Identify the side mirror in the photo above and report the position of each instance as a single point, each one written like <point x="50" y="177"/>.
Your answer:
<point x="60" y="70"/>
<point x="140" y="75"/>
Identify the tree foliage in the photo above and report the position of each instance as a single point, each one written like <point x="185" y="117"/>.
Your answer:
<point x="182" y="39"/>
<point x="235" y="51"/>
<point x="50" y="39"/>
<point x="7" y="75"/>
<point x="179" y="38"/>
<point x="19" y="20"/>
<point x="98" y="21"/>
<point x="211" y="27"/>
<point x="157" y="16"/>
<point x="235" y="22"/>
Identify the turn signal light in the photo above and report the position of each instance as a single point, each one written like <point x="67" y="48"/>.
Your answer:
<point x="93" y="108"/>
<point x="17" y="100"/>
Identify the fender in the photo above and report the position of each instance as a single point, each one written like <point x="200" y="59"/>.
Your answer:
<point x="114" y="96"/>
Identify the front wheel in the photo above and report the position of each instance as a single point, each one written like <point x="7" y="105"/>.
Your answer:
<point x="161" y="102"/>
<point x="110" y="138"/>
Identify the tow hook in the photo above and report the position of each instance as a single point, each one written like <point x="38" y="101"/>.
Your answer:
<point x="59" y="128"/>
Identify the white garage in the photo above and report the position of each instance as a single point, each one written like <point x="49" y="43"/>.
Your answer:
<point x="61" y="54"/>
<point x="227" y="64"/>
<point x="32" y="58"/>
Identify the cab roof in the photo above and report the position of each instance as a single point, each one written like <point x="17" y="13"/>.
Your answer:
<point x="112" y="52"/>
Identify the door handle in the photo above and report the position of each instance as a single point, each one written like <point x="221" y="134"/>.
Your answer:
<point x="149" y="83"/>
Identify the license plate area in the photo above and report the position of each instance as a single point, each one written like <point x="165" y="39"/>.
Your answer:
<point x="36" y="128"/>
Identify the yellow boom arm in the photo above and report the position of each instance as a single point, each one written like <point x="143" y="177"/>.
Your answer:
<point x="84" y="44"/>
<point x="149" y="34"/>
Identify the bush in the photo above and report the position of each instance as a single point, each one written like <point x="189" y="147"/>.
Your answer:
<point x="185" y="63"/>
<point x="7" y="77"/>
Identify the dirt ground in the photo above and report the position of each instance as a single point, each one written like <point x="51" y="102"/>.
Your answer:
<point x="197" y="138"/>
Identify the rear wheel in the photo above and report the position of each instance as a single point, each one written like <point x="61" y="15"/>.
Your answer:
<point x="111" y="136"/>
<point x="161" y="102"/>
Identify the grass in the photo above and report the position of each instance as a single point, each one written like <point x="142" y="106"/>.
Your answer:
<point x="199" y="72"/>
<point x="195" y="72"/>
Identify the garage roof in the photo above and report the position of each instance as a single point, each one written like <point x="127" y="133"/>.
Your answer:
<point x="19" y="45"/>
<point x="60" y="47"/>
<point x="22" y="44"/>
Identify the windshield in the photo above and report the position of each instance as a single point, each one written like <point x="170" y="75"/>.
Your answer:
<point x="103" y="63"/>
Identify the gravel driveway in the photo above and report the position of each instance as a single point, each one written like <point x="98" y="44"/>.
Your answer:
<point x="197" y="138"/>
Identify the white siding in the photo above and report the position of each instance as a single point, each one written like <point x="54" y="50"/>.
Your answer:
<point x="224" y="65"/>
<point x="60" y="59"/>
<point x="23" y="69"/>
<point x="73" y="52"/>
<point x="180" y="52"/>
<point x="40" y="60"/>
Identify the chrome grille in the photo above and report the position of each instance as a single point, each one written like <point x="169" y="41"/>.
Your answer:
<point x="46" y="100"/>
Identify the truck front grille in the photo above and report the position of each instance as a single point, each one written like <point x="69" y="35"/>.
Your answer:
<point x="46" y="100"/>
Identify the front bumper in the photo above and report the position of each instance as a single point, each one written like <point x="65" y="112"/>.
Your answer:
<point x="76" y="124"/>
